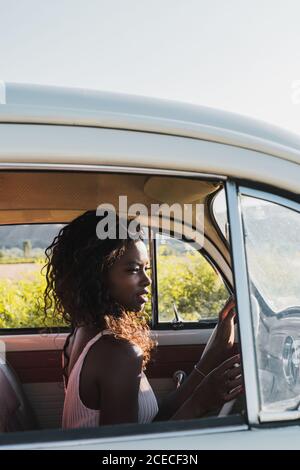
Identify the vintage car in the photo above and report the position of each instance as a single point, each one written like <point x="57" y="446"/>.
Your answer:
<point x="64" y="151"/>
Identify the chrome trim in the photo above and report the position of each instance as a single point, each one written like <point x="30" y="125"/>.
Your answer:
<point x="243" y="303"/>
<point x="271" y="416"/>
<point x="270" y="197"/>
<point x="107" y="168"/>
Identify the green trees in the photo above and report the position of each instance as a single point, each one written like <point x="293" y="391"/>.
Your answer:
<point x="188" y="280"/>
<point x="21" y="303"/>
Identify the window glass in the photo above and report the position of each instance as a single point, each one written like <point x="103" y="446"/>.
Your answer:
<point x="22" y="281"/>
<point x="187" y="282"/>
<point x="272" y="240"/>
<point x="220" y="212"/>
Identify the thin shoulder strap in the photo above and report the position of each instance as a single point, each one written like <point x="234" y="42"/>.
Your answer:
<point x="92" y="341"/>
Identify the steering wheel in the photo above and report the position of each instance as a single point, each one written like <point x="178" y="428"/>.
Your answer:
<point x="236" y="405"/>
<point x="277" y="337"/>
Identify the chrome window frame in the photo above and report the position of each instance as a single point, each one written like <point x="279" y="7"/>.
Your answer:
<point x="240" y="273"/>
<point x="269" y="197"/>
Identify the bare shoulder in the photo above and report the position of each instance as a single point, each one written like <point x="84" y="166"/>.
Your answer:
<point x="118" y="355"/>
<point x="115" y="345"/>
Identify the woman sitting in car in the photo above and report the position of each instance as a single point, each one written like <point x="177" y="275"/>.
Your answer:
<point x="100" y="287"/>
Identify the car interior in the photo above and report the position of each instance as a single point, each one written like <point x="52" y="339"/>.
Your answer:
<point x="31" y="384"/>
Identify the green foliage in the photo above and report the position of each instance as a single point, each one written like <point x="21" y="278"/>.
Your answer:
<point x="187" y="279"/>
<point x="19" y="260"/>
<point x="21" y="303"/>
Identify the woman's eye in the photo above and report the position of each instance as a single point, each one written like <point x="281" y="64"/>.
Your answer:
<point x="133" y="270"/>
<point x="136" y="270"/>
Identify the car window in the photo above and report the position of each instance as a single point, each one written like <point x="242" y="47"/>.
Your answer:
<point x="187" y="283"/>
<point x="272" y="241"/>
<point x="219" y="211"/>
<point x="22" y="281"/>
<point x="22" y="246"/>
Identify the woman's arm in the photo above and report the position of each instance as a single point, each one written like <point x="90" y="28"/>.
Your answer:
<point x="221" y="385"/>
<point x="175" y="399"/>
<point x="220" y="348"/>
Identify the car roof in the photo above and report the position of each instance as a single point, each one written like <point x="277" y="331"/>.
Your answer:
<point x="25" y="103"/>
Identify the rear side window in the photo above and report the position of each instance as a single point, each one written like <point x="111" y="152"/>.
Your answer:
<point x="22" y="279"/>
<point x="219" y="212"/>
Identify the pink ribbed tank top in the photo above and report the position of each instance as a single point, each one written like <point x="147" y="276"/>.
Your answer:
<point x="77" y="415"/>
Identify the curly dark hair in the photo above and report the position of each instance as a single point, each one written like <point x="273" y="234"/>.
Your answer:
<point x="76" y="273"/>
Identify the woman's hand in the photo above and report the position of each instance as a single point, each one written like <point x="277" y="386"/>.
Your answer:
<point x="224" y="339"/>
<point x="220" y="386"/>
<point x="221" y="344"/>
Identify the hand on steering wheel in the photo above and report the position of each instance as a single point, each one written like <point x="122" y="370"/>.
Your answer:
<point x="221" y="385"/>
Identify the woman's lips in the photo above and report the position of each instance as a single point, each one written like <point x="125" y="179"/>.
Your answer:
<point x="142" y="298"/>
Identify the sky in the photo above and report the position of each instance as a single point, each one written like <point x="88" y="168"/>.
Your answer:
<point x="238" y="55"/>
